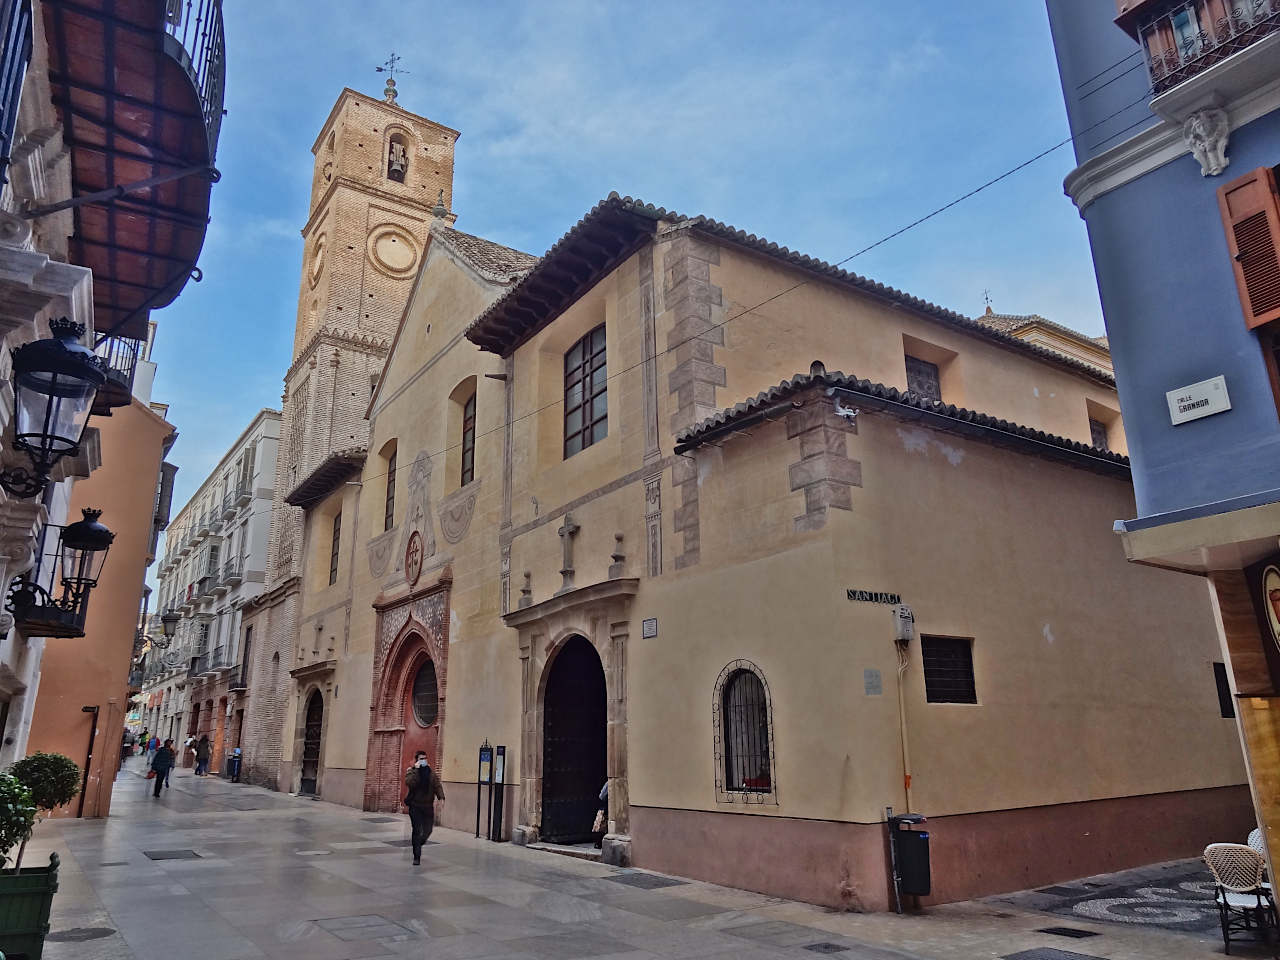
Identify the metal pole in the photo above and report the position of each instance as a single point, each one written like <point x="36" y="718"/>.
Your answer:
<point x="893" y="860"/>
<point x="84" y="781"/>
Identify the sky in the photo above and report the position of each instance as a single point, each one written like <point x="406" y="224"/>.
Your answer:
<point x="821" y="126"/>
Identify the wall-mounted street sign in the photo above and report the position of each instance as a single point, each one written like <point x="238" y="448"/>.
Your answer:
<point x="649" y="628"/>
<point x="1197" y="400"/>
<point x="872" y="596"/>
<point x="872" y="683"/>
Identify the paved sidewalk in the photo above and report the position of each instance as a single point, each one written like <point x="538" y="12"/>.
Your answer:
<point x="221" y="871"/>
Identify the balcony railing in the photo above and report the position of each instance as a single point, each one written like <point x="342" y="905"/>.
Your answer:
<point x="229" y="505"/>
<point x="119" y="357"/>
<point x="244" y="493"/>
<point x="233" y="573"/>
<point x="1187" y="39"/>
<point x="196" y="27"/>
<point x="15" y="52"/>
<point x="204" y="588"/>
<point x="198" y="666"/>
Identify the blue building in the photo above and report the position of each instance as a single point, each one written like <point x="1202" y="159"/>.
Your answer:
<point x="1175" y="110"/>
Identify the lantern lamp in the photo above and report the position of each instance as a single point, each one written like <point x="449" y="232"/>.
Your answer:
<point x="84" y="549"/>
<point x="169" y="623"/>
<point x="54" y="383"/>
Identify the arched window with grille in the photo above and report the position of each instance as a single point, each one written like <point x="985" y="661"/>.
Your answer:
<point x="744" y="735"/>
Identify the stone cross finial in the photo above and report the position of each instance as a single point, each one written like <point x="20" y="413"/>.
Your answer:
<point x="567" y="533"/>
<point x="390" y="68"/>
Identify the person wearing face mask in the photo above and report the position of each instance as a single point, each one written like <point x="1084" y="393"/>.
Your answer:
<point x="424" y="790"/>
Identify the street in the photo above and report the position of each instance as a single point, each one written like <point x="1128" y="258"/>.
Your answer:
<point x="220" y="871"/>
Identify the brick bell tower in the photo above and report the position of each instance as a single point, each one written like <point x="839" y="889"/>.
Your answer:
<point x="381" y="175"/>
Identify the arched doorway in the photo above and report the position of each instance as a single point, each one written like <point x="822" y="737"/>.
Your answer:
<point x="311" y="744"/>
<point x="574" y="735"/>
<point x="421" y="712"/>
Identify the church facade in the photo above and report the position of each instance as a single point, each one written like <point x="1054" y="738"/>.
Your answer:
<point x="649" y="535"/>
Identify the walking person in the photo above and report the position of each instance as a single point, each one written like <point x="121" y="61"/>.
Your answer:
<point x="144" y="738"/>
<point x="162" y="764"/>
<point x="152" y="746"/>
<point x="204" y="749"/>
<point x="424" y="790"/>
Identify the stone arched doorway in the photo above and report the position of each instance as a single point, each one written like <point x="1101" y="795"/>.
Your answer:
<point x="574" y="742"/>
<point x="313" y="730"/>
<point x="420" y="711"/>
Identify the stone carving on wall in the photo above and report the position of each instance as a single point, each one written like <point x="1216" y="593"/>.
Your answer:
<point x="653" y="524"/>
<point x="456" y="511"/>
<point x="380" y="551"/>
<point x="418" y="519"/>
<point x="1205" y="132"/>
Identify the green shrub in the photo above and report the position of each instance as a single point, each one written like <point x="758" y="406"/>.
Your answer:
<point x="52" y="778"/>
<point x="17" y="815"/>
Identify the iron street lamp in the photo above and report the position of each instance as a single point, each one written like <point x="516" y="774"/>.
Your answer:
<point x="54" y="383"/>
<point x="84" y="550"/>
<point x="169" y="624"/>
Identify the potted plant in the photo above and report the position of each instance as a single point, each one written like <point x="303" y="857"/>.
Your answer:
<point x="35" y="784"/>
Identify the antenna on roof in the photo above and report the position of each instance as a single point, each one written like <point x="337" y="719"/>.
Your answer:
<point x="986" y="297"/>
<point x="390" y="68"/>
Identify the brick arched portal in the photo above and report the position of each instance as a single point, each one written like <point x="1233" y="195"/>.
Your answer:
<point x="410" y="632"/>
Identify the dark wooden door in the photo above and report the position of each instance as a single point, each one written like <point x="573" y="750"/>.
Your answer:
<point x="573" y="738"/>
<point x="421" y="716"/>
<point x="311" y="744"/>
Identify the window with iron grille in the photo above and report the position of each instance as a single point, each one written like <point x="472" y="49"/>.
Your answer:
<point x="744" y="707"/>
<point x="948" y="670"/>
<point x="1226" y="704"/>
<point x="426" y="696"/>
<point x="586" y="407"/>
<point x="469" y="440"/>
<point x="922" y="378"/>
<point x="389" y="511"/>
<point x="333" y="549"/>
<point x="1098" y="434"/>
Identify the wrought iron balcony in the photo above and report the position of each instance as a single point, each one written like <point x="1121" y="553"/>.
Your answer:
<point x="119" y="357"/>
<point x="220" y="585"/>
<point x="202" y="528"/>
<point x="198" y="666"/>
<point x="204" y="588"/>
<point x="15" y="53"/>
<point x="229" y="505"/>
<point x="244" y="493"/>
<point x="233" y="573"/>
<point x="135" y="679"/>
<point x="215" y="521"/>
<point x="1187" y="39"/>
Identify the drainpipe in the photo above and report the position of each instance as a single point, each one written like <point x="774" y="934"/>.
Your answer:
<point x="904" y="630"/>
<point x="88" y="760"/>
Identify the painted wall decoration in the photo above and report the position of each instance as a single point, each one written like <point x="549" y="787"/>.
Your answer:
<point x="418" y="516"/>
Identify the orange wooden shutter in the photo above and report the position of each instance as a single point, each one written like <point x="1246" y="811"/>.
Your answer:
<point x="1251" y="215"/>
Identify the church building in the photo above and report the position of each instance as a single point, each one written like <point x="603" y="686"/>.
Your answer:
<point x="766" y="546"/>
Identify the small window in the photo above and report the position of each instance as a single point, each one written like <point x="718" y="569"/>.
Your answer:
<point x="397" y="159"/>
<point x="948" y="670"/>
<point x="1226" y="704"/>
<point x="333" y="549"/>
<point x="586" y="407"/>
<point x="922" y="378"/>
<point x="1098" y="434"/>
<point x="746" y="734"/>
<point x="389" y="509"/>
<point x="426" y="697"/>
<point x="469" y="440"/>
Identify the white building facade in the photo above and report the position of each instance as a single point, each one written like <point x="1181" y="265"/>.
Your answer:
<point x="214" y="563"/>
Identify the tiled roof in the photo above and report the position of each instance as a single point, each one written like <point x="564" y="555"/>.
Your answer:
<point x="495" y="261"/>
<point x="333" y="470"/>
<point x="507" y="322"/>
<point x="1013" y="322"/>
<point x="913" y="406"/>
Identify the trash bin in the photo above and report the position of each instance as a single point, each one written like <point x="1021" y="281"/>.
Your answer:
<point x="233" y="766"/>
<point x="910" y="854"/>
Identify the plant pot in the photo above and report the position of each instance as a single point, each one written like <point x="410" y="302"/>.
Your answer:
<point x="25" y="898"/>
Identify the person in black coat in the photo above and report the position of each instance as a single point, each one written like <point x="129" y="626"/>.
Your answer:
<point x="161" y="764"/>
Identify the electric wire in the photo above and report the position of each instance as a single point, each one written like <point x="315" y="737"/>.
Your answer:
<point x="558" y="401"/>
<point x="1101" y="73"/>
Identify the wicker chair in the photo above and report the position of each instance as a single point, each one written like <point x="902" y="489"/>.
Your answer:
<point x="1243" y="903"/>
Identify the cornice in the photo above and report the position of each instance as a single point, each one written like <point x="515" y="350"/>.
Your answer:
<point x="1157" y="145"/>
<point x="322" y="202"/>
<point x="326" y="335"/>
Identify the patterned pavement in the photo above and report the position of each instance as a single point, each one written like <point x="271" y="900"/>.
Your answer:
<point x="220" y="871"/>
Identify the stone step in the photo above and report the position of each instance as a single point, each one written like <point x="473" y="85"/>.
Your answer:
<point x="579" y="851"/>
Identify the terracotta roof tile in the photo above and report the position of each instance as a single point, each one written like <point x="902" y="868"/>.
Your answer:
<point x="945" y="415"/>
<point x="492" y="259"/>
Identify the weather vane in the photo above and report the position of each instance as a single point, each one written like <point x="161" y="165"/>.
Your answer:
<point x="390" y="68"/>
<point x="986" y="296"/>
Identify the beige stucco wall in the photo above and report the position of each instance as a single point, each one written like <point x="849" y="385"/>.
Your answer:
<point x="963" y="542"/>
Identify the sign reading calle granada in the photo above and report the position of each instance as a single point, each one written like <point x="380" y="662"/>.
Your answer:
<point x="872" y="596"/>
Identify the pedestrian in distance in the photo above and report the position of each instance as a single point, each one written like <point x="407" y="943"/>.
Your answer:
<point x="152" y="746"/>
<point x="161" y="765"/>
<point x="203" y="751"/>
<point x="126" y="748"/>
<point x="144" y="738"/>
<point x="424" y="790"/>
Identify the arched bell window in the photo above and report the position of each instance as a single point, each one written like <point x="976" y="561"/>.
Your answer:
<point x="397" y="158"/>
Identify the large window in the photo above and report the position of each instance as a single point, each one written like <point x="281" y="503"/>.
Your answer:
<point x="469" y="440"/>
<point x="746" y="733"/>
<point x="586" y="406"/>
<point x="333" y="549"/>
<point x="948" y="670"/>
<point x="389" y="509"/>
<point x="922" y="378"/>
